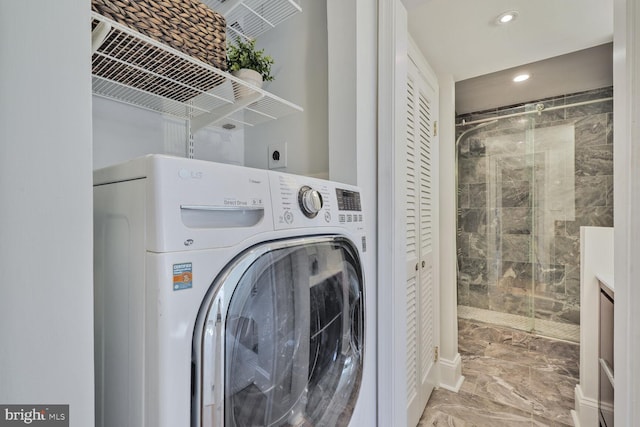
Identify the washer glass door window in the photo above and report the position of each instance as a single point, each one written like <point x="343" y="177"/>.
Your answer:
<point x="279" y="338"/>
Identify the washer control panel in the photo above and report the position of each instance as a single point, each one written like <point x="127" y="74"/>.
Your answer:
<point x="303" y="201"/>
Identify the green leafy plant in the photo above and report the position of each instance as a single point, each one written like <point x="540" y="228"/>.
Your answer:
<point x="244" y="55"/>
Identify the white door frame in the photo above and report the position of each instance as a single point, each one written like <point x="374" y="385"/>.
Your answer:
<point x="392" y="75"/>
<point x="626" y="156"/>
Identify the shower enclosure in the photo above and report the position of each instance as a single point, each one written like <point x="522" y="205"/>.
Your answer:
<point x="528" y="178"/>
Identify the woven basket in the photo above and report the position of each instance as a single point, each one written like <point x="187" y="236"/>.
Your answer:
<point x="186" y="25"/>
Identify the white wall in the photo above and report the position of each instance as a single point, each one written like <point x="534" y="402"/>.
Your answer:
<point x="596" y="261"/>
<point x="46" y="307"/>
<point x="122" y="132"/>
<point x="626" y="151"/>
<point x="343" y="99"/>
<point x="352" y="128"/>
<point x="450" y="362"/>
<point x="299" y="48"/>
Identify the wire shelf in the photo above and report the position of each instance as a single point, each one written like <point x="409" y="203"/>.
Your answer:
<point x="134" y="69"/>
<point x="250" y="18"/>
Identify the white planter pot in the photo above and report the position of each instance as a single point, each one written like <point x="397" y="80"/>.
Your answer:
<point x="250" y="76"/>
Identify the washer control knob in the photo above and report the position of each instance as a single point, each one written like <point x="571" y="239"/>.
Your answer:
<point x="310" y="201"/>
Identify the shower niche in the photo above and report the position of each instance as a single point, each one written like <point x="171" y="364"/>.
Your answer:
<point x="528" y="177"/>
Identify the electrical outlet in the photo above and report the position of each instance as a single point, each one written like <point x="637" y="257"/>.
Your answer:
<point x="277" y="156"/>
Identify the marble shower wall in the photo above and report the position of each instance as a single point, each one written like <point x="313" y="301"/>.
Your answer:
<point x="526" y="185"/>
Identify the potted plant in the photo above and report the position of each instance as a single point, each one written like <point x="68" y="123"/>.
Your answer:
<point x="249" y="64"/>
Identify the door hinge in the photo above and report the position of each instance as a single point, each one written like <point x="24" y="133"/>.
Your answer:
<point x="435" y="128"/>
<point x="436" y="350"/>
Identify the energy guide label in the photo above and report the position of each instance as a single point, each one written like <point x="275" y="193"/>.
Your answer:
<point x="182" y="276"/>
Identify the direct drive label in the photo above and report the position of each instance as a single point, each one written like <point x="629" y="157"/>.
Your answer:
<point x="182" y="276"/>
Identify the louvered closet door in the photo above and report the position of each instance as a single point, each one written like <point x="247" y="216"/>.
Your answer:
<point x="421" y="321"/>
<point x="412" y="179"/>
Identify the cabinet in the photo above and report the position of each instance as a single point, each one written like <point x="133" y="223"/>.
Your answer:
<point x="605" y="355"/>
<point x="131" y="68"/>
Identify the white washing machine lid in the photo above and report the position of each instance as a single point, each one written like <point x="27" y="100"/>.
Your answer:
<point x="279" y="337"/>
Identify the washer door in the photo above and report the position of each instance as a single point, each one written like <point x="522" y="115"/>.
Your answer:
<point x="279" y="338"/>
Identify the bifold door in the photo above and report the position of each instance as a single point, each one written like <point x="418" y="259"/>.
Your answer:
<point x="279" y="337"/>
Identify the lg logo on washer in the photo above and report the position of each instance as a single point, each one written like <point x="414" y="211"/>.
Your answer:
<point x="187" y="174"/>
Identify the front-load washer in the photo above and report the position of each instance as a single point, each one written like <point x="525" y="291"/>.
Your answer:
<point x="228" y="296"/>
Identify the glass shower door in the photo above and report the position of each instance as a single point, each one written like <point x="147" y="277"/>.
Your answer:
<point x="530" y="189"/>
<point x="528" y="178"/>
<point x="509" y="235"/>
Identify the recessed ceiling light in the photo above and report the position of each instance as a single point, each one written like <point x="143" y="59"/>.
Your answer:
<point x="521" y="77"/>
<point x="506" y="17"/>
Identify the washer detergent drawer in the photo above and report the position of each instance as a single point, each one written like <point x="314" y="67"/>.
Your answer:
<point x="279" y="337"/>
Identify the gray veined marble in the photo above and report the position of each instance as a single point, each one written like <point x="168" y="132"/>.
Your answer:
<point x="567" y="250"/>
<point x="477" y="147"/>
<point x="596" y="216"/>
<point x="516" y="274"/>
<point x="515" y="194"/>
<point x="590" y="109"/>
<point x="512" y="378"/>
<point x="472" y="170"/>
<point x="572" y="283"/>
<point x="462" y="240"/>
<point x="454" y="411"/>
<point x="510" y="300"/>
<point x="526" y="186"/>
<point x="515" y="220"/>
<point x="472" y="220"/>
<point x="592" y="130"/>
<point x="475" y="270"/>
<point x="479" y="297"/>
<point x="594" y="160"/>
<point x="516" y="247"/>
<point x="549" y="118"/>
<point x="610" y="191"/>
<point x="549" y="276"/>
<point x="478" y="246"/>
<point x="516" y="172"/>
<point x="463" y="196"/>
<point x="591" y="191"/>
<point x="478" y="195"/>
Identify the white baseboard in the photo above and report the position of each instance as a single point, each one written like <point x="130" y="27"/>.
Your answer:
<point x="576" y="419"/>
<point x="586" y="412"/>
<point x="451" y="373"/>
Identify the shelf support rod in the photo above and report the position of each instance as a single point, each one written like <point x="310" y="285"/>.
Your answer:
<point x="189" y="134"/>
<point x="220" y="113"/>
<point x="99" y="35"/>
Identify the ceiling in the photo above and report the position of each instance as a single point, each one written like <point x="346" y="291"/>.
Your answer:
<point x="462" y="38"/>
<point x="574" y="72"/>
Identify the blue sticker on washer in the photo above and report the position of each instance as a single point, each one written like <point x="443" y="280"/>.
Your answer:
<point x="182" y="276"/>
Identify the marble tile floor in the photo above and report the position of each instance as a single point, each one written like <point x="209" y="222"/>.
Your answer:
<point x="512" y="378"/>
